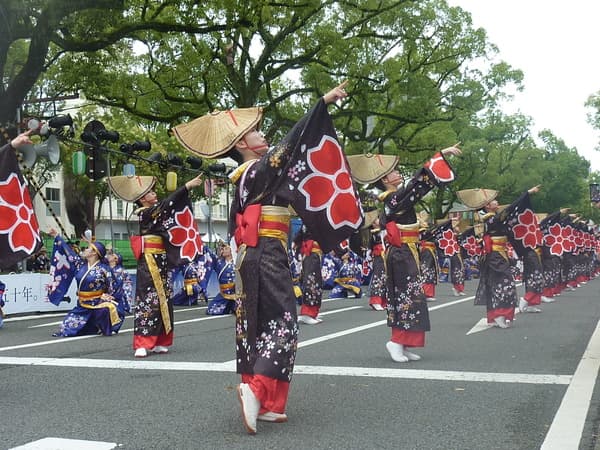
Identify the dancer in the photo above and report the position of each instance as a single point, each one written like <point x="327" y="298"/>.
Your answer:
<point x="2" y="289"/>
<point x="123" y="283"/>
<point x="496" y="287"/>
<point x="224" y="301"/>
<point x="168" y="238"/>
<point x="377" y="299"/>
<point x="408" y="316"/>
<point x="429" y="262"/>
<point x="267" y="182"/>
<point x="96" y="311"/>
<point x="310" y="278"/>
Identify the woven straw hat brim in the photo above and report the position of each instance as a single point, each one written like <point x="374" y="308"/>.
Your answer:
<point x="214" y="134"/>
<point x="476" y="198"/>
<point x="370" y="217"/>
<point x="131" y="188"/>
<point x="370" y="168"/>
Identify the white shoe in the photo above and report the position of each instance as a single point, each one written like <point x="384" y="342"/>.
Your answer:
<point x="250" y="407"/>
<point x="411" y="356"/>
<point x="308" y="320"/>
<point x="456" y="293"/>
<point x="160" y="349"/>
<point x="430" y="299"/>
<point x="271" y="416"/>
<point x="584" y="282"/>
<point x="547" y="299"/>
<point x="377" y="307"/>
<point x="462" y="293"/>
<point x="396" y="351"/>
<point x="533" y="309"/>
<point x="140" y="353"/>
<point x="501" y="322"/>
<point x="523" y="305"/>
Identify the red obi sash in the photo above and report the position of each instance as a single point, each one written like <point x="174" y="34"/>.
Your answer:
<point x="377" y="250"/>
<point x="398" y="237"/>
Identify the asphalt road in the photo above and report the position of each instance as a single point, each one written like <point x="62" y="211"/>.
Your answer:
<point x="532" y="386"/>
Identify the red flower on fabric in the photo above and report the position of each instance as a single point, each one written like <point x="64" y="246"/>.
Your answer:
<point x="578" y="238"/>
<point x="555" y="239"/>
<point x="471" y="246"/>
<point x="329" y="186"/>
<point x="440" y="168"/>
<point x="568" y="239"/>
<point x="17" y="217"/>
<point x="527" y="230"/>
<point x="448" y="243"/>
<point x="185" y="234"/>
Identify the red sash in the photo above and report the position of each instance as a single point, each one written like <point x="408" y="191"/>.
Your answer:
<point x="246" y="231"/>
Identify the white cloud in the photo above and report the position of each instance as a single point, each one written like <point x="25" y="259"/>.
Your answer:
<point x="554" y="44"/>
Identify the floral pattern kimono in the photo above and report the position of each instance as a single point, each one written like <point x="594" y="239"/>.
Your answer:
<point x="517" y="224"/>
<point x="224" y="301"/>
<point x="347" y="282"/>
<point x="377" y="284"/>
<point x="124" y="286"/>
<point x="171" y="239"/>
<point x="407" y="309"/>
<point x="96" y="311"/>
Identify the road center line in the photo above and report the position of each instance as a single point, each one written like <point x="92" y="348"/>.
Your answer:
<point x="369" y="372"/>
<point x="567" y="427"/>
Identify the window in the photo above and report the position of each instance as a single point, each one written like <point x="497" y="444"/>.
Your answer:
<point x="53" y="198"/>
<point x="119" y="208"/>
<point x="223" y="211"/>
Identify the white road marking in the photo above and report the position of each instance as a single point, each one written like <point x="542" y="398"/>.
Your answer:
<point x="371" y="372"/>
<point x="66" y="444"/>
<point x="335" y="311"/>
<point x="66" y="340"/>
<point x="49" y="324"/>
<point x="567" y="427"/>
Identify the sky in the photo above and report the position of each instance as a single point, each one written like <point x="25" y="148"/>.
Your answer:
<point x="555" y="44"/>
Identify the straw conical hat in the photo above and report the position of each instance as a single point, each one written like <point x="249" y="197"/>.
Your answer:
<point x="131" y="188"/>
<point x="214" y="134"/>
<point x="370" y="168"/>
<point x="476" y="198"/>
<point x="370" y="217"/>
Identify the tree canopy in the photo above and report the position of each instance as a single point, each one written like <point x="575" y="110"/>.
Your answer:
<point x="421" y="77"/>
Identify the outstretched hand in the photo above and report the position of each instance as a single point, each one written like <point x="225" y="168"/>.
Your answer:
<point x="454" y="150"/>
<point x="194" y="182"/>
<point x="21" y="140"/>
<point x="336" y="93"/>
<point x="535" y="189"/>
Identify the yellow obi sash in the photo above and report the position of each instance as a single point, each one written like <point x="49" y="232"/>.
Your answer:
<point x="225" y="286"/>
<point x="409" y="235"/>
<point x="274" y="222"/>
<point x="345" y="283"/>
<point x="87" y="296"/>
<point x="154" y="245"/>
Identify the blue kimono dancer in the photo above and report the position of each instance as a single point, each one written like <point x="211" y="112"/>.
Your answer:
<point x="348" y="278"/>
<point x="93" y="314"/>
<point x="224" y="301"/>
<point x="123" y="287"/>
<point x="2" y="288"/>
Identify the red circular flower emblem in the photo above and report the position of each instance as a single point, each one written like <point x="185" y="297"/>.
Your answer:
<point x="329" y="186"/>
<point x="471" y="246"/>
<point x="185" y="235"/>
<point x="17" y="217"/>
<point x="448" y="243"/>
<point x="527" y="230"/>
<point x="555" y="239"/>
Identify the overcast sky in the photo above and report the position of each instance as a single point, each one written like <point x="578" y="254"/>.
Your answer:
<point x="555" y="43"/>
